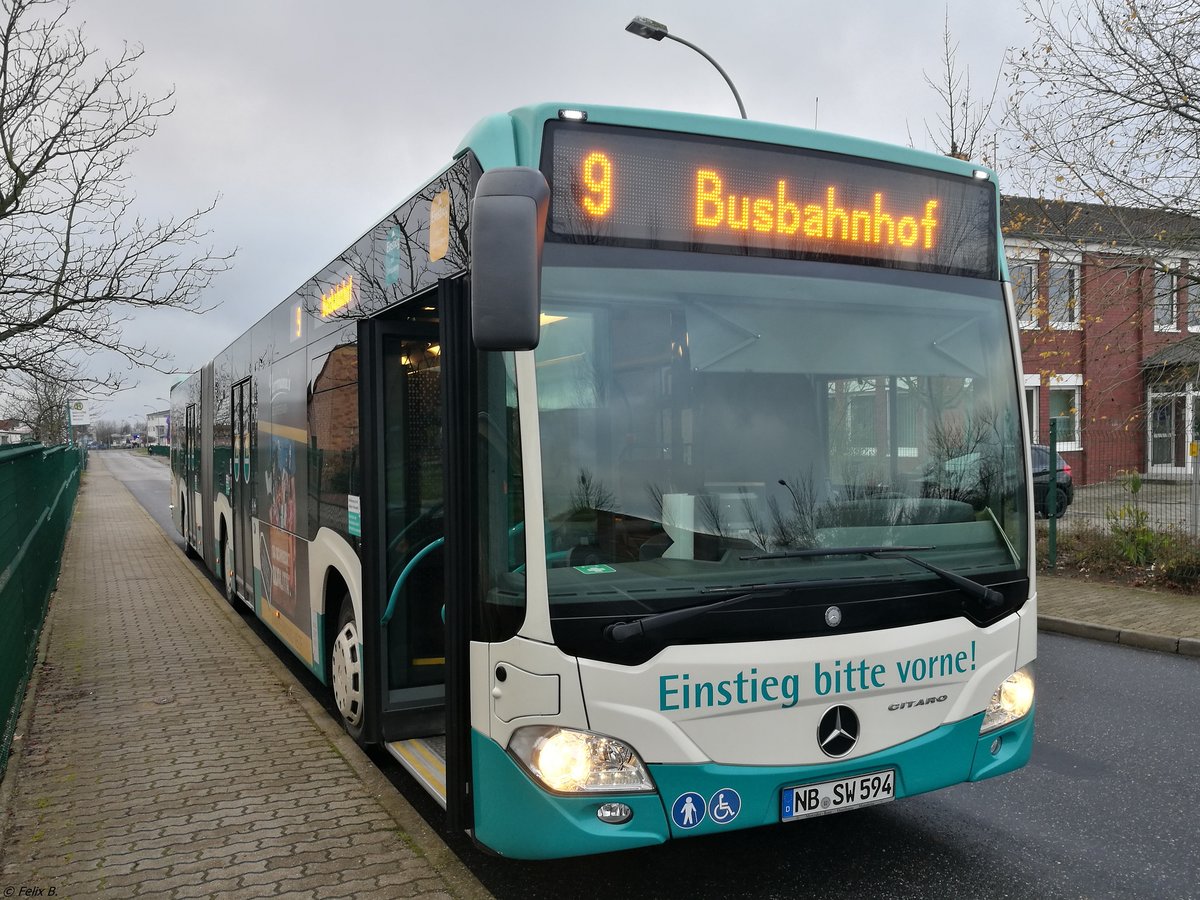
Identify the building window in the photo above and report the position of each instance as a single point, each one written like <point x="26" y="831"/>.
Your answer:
<point x="1065" y="397"/>
<point x="1193" y="305"/>
<point x="861" y="413"/>
<point x="1063" y="300"/>
<point x="1166" y="308"/>
<point x="1024" y="287"/>
<point x="1033" y="387"/>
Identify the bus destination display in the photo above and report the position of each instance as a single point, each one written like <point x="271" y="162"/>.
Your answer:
<point x="637" y="188"/>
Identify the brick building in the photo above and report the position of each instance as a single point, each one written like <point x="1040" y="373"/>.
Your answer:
<point x="1110" y="332"/>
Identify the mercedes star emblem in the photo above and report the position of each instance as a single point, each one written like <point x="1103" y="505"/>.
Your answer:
<point x="833" y="617"/>
<point x="838" y="731"/>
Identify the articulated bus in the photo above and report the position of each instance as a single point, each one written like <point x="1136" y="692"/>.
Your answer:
<point x="643" y="475"/>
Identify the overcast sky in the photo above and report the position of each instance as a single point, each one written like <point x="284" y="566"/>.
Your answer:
<point x="312" y="119"/>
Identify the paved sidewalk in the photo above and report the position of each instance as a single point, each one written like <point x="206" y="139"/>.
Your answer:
<point x="1150" y="619"/>
<point x="166" y="753"/>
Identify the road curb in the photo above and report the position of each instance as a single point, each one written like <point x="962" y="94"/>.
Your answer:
<point x="461" y="881"/>
<point x="1143" y="640"/>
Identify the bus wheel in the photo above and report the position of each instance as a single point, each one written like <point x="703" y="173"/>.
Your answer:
<point x="346" y="672"/>
<point x="188" y="550"/>
<point x="227" y="574"/>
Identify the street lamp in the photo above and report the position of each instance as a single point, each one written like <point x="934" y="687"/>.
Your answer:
<point x="656" y="31"/>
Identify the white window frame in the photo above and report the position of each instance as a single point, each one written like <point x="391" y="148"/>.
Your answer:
<point x="1191" y="295"/>
<point x="1028" y="324"/>
<point x="1034" y="383"/>
<point x="1075" y="266"/>
<point x="1074" y="383"/>
<point x="1173" y="292"/>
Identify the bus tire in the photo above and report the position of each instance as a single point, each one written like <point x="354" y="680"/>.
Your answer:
<point x="227" y="573"/>
<point x="346" y="672"/>
<point x="188" y="550"/>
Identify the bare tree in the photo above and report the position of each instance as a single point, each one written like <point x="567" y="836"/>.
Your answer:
<point x="964" y="126"/>
<point x="1106" y="106"/>
<point x="40" y="401"/>
<point x="105" y="429"/>
<point x="76" y="261"/>
<point x="1105" y="135"/>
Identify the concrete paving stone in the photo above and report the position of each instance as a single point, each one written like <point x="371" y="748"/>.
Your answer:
<point x="289" y="841"/>
<point x="412" y="867"/>
<point x="355" y="888"/>
<point x="373" y="871"/>
<point x="164" y="863"/>
<point x="138" y="856"/>
<point x="272" y="876"/>
<point x="191" y="865"/>
<point x="210" y="887"/>
<point x="229" y="845"/>
<point x="306" y="859"/>
<point x="163" y="886"/>
<point x="204" y="830"/>
<point x="110" y="870"/>
<point x="421" y="887"/>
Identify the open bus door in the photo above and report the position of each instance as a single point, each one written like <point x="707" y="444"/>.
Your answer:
<point x="416" y="365"/>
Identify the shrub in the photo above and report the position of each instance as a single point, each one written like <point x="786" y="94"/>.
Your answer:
<point x="1178" y="565"/>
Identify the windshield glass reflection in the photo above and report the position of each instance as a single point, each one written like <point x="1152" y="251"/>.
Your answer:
<point x="690" y="420"/>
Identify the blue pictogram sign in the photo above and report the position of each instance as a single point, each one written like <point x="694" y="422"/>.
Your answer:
<point x="724" y="806"/>
<point x="688" y="810"/>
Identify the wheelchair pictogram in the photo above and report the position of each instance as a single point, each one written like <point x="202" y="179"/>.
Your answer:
<point x="724" y="806"/>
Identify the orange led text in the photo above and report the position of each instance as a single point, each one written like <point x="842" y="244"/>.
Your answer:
<point x="598" y="183"/>
<point x="337" y="297"/>
<point x="830" y="220"/>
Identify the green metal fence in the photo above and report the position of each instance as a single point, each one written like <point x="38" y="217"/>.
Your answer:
<point x="37" y="496"/>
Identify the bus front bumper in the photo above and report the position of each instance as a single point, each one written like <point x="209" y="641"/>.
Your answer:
<point x="517" y="818"/>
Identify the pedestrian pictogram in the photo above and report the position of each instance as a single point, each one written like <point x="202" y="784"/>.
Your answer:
<point x="688" y="810"/>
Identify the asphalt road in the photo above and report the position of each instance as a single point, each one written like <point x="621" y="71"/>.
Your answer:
<point x="1108" y="806"/>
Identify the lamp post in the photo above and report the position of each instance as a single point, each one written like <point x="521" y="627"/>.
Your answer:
<point x="656" y="31"/>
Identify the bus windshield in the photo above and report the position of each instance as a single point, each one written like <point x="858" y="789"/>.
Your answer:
<point x="700" y="412"/>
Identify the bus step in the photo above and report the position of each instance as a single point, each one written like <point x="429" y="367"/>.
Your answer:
<point x="425" y="760"/>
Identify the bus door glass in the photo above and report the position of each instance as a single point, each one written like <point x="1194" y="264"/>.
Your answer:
<point x="191" y="471"/>
<point x="240" y="489"/>
<point x="411" y="485"/>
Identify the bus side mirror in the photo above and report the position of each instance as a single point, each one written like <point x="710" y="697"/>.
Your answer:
<point x="508" y="227"/>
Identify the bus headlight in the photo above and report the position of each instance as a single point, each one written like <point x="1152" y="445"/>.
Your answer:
<point x="578" y="762"/>
<point x="1011" y="701"/>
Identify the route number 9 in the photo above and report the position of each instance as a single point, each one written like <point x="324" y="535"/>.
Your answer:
<point x="597" y="179"/>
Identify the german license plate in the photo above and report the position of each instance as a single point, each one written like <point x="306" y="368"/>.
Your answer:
<point x="826" y="797"/>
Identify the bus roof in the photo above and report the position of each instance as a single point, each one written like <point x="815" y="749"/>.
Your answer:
<point x="515" y="138"/>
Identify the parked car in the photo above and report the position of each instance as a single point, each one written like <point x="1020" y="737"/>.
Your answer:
<point x="1065" y="489"/>
<point x="969" y="479"/>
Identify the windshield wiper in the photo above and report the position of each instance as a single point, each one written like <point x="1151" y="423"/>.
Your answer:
<point x="989" y="597"/>
<point x="624" y="631"/>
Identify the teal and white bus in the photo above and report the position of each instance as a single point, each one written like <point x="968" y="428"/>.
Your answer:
<point x="643" y="475"/>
